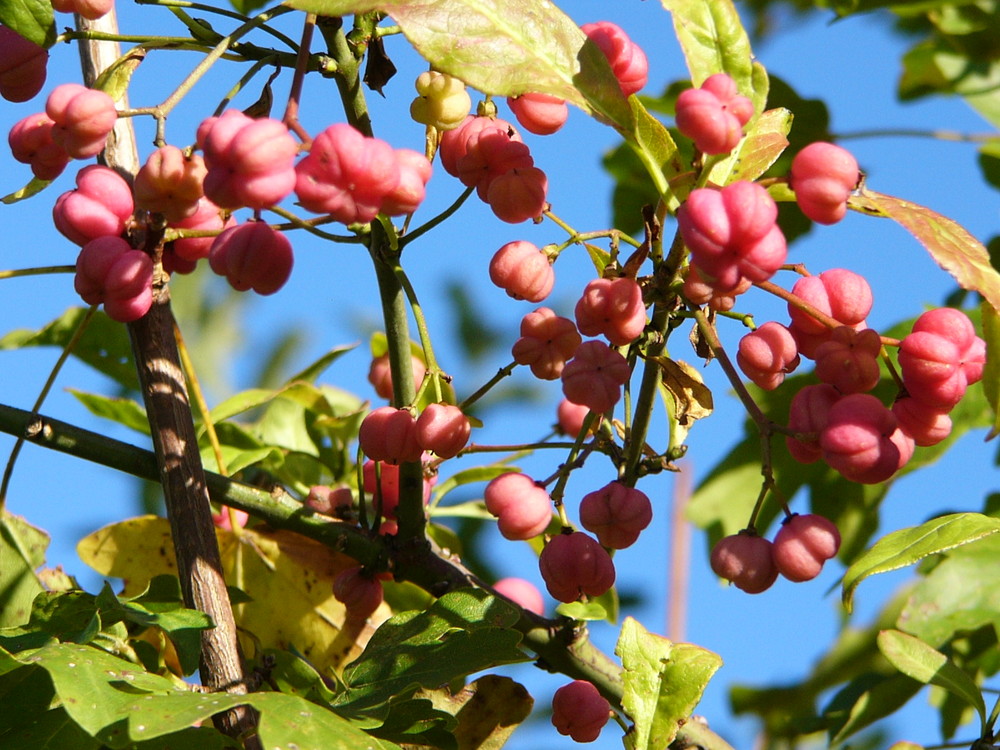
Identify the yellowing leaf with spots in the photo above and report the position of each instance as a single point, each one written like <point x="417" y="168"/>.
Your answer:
<point x="279" y="570"/>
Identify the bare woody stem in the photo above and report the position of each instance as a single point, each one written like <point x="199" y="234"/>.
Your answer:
<point x="176" y="445"/>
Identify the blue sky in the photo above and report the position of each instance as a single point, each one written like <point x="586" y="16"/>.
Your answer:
<point x="851" y="64"/>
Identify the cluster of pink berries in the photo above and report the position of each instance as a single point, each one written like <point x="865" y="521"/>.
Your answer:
<point x="801" y="546"/>
<point x="572" y="563"/>
<point x="592" y="372"/>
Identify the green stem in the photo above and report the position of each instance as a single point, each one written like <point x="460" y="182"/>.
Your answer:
<point x="36" y="271"/>
<point x="502" y="373"/>
<point x="425" y="228"/>
<point x="648" y="389"/>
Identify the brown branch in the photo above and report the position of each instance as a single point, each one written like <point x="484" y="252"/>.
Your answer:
<point x="179" y="462"/>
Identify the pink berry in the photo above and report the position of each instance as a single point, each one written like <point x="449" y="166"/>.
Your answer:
<point x="612" y="307"/>
<point x="110" y="271"/>
<point x="925" y="424"/>
<point x="100" y="206"/>
<point x="732" y="234"/>
<point x="409" y="193"/>
<point x="580" y="711"/>
<point x="347" y="175"/>
<point x="388" y="486"/>
<point x="541" y="114"/>
<point x="803" y="544"/>
<point x="595" y="376"/>
<point x="252" y="256"/>
<point x="574" y="565"/>
<point x="809" y="411"/>
<point x="454" y="143"/>
<point x="443" y="429"/>
<point x="848" y="360"/>
<point x="390" y="434"/>
<point x="380" y="374"/>
<point x="490" y="153"/>
<point x="570" y="417"/>
<point x="523" y="271"/>
<point x="767" y="354"/>
<point x="82" y="119"/>
<point x="330" y="501"/>
<point x="862" y="441"/>
<point x="546" y="342"/>
<point x="523" y="509"/>
<point x="628" y="61"/>
<point x="713" y="115"/>
<point x="616" y="514"/>
<point x="250" y="162"/>
<point x="823" y="176"/>
<point x="207" y="217"/>
<point x="359" y="592"/>
<point x="841" y="294"/>
<point x="91" y="9"/>
<point x="746" y="560"/>
<point x="31" y="143"/>
<point x="523" y="593"/>
<point x="170" y="183"/>
<point x="699" y="292"/>
<point x="22" y="66"/>
<point x="941" y="357"/>
<point x="518" y="194"/>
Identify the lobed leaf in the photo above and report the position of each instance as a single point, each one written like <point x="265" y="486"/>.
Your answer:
<point x="910" y="545"/>
<point x="663" y="682"/>
<point x="951" y="246"/>
<point x="916" y="659"/>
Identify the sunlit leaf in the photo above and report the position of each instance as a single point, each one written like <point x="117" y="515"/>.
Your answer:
<point x="124" y="411"/>
<point x="910" y="545"/>
<point x="916" y="659"/>
<point x="279" y="570"/>
<point x="22" y="551"/>
<point x="991" y="371"/>
<point x="951" y="246"/>
<point x="663" y="680"/>
<point x="488" y="710"/>
<point x="764" y="142"/>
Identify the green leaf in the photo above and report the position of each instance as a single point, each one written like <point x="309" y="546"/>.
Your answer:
<point x="104" y="345"/>
<point x="160" y="605"/>
<point x="68" y="616"/>
<point x="951" y="246"/>
<point x="663" y="682"/>
<point x="488" y="710"/>
<point x="314" y="370"/>
<point x="22" y="551"/>
<point x="115" y="79"/>
<point x="509" y="47"/>
<point x="713" y="40"/>
<point x="654" y="146"/>
<point x="866" y="700"/>
<point x="765" y="141"/>
<point x="288" y="721"/>
<point x="31" y="189"/>
<point x="916" y="659"/>
<point x="86" y="681"/>
<point x="463" y="632"/>
<point x="124" y="411"/>
<point x="991" y="372"/>
<point x="32" y="19"/>
<point x="907" y="546"/>
<point x="585" y="611"/>
<point x="958" y="595"/>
